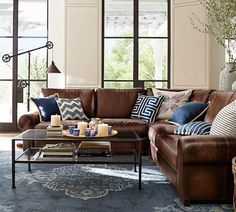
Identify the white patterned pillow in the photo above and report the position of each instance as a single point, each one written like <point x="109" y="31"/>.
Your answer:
<point x="147" y="107"/>
<point x="225" y="121"/>
<point x="71" y="109"/>
<point x="172" y="101"/>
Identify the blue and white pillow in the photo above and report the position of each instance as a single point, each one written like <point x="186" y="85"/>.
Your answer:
<point x="46" y="106"/>
<point x="147" y="107"/>
<point x="190" y="112"/>
<point x="194" y="128"/>
<point x="71" y="109"/>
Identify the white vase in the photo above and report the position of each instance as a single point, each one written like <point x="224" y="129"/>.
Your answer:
<point x="227" y="76"/>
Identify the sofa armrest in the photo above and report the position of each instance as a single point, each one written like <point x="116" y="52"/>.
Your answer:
<point x="206" y="149"/>
<point x="28" y="121"/>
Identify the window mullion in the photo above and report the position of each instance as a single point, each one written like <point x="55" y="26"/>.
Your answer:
<point x="136" y="42"/>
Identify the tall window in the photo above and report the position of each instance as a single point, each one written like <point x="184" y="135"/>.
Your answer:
<point x="23" y="26"/>
<point x="136" y="43"/>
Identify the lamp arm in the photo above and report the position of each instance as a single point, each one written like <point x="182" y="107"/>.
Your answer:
<point x="6" y="57"/>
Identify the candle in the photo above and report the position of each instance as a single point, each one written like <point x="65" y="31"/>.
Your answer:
<point x="55" y="120"/>
<point x="82" y="125"/>
<point x="103" y="129"/>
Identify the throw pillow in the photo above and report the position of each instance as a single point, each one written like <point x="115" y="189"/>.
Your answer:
<point x="193" y="128"/>
<point x="147" y="107"/>
<point x="71" y="109"/>
<point x="172" y="101"/>
<point x="225" y="121"/>
<point x="190" y="112"/>
<point x="46" y="106"/>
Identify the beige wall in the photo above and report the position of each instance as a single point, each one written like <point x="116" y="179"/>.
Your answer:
<point x="75" y="29"/>
<point x="196" y="57"/>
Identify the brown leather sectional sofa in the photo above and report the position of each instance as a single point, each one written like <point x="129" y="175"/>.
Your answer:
<point x="199" y="167"/>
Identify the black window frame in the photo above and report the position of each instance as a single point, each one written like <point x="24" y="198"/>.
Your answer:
<point x="136" y="38"/>
<point x="12" y="126"/>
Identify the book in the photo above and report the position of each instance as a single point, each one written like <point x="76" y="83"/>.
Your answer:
<point x="94" y="148"/>
<point x="96" y="145"/>
<point x="59" y="147"/>
<point x="54" y="134"/>
<point x="57" y="154"/>
<point x="57" y="128"/>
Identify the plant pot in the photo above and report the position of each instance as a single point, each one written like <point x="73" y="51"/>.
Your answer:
<point x="227" y="76"/>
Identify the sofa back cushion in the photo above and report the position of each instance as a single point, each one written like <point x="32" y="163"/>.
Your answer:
<point x="218" y="99"/>
<point x="200" y="95"/>
<point x="116" y="103"/>
<point x="87" y="97"/>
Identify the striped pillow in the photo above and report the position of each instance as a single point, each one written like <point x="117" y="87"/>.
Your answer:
<point x="193" y="128"/>
<point x="225" y="121"/>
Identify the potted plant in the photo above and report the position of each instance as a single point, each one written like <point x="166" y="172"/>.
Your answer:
<point x="221" y="24"/>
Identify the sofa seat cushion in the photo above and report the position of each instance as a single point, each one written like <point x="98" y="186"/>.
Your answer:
<point x="162" y="139"/>
<point x="66" y="124"/>
<point x="138" y="125"/>
<point x="159" y="128"/>
<point x="167" y="149"/>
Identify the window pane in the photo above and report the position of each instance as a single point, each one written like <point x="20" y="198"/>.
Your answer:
<point x="153" y="18"/>
<point x="118" y="59"/>
<point x="6" y="102"/>
<point x="118" y="85"/>
<point x="35" y="91"/>
<point x="33" y="18"/>
<point x="155" y="84"/>
<point x="6" y="18"/>
<point x="153" y="59"/>
<point x="119" y="18"/>
<point x="5" y="68"/>
<point x="38" y="58"/>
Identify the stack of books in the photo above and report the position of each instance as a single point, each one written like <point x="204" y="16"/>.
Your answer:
<point x="58" y="150"/>
<point x="54" y="131"/>
<point x="94" y="148"/>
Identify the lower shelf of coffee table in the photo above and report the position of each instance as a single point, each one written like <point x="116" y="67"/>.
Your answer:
<point x="120" y="156"/>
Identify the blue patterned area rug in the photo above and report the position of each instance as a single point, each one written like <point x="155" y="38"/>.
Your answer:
<point x="68" y="188"/>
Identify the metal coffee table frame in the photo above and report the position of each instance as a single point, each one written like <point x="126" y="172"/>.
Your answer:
<point x="132" y="156"/>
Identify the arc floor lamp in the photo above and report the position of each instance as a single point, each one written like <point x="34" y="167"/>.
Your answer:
<point x="26" y="83"/>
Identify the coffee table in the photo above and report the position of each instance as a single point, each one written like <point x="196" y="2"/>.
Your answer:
<point x="118" y="156"/>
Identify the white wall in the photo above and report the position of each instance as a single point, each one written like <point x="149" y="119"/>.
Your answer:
<point x="75" y="29"/>
<point x="196" y="57"/>
<point x="56" y="34"/>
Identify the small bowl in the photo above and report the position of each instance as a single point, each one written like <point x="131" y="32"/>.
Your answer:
<point x="76" y="131"/>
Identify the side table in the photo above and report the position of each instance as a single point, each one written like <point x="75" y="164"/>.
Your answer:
<point x="234" y="173"/>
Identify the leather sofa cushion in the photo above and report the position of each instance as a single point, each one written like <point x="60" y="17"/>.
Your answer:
<point x="116" y="103"/>
<point x="138" y="125"/>
<point x="161" y="136"/>
<point x="218" y="100"/>
<point x="87" y="97"/>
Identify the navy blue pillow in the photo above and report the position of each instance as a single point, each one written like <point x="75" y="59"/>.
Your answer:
<point x="147" y="107"/>
<point x="194" y="128"/>
<point x="192" y="111"/>
<point x="46" y="106"/>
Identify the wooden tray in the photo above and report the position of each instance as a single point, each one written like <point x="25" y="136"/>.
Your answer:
<point x="66" y="133"/>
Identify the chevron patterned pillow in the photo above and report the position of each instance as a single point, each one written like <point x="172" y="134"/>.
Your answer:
<point x="71" y="109"/>
<point x="147" y="107"/>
